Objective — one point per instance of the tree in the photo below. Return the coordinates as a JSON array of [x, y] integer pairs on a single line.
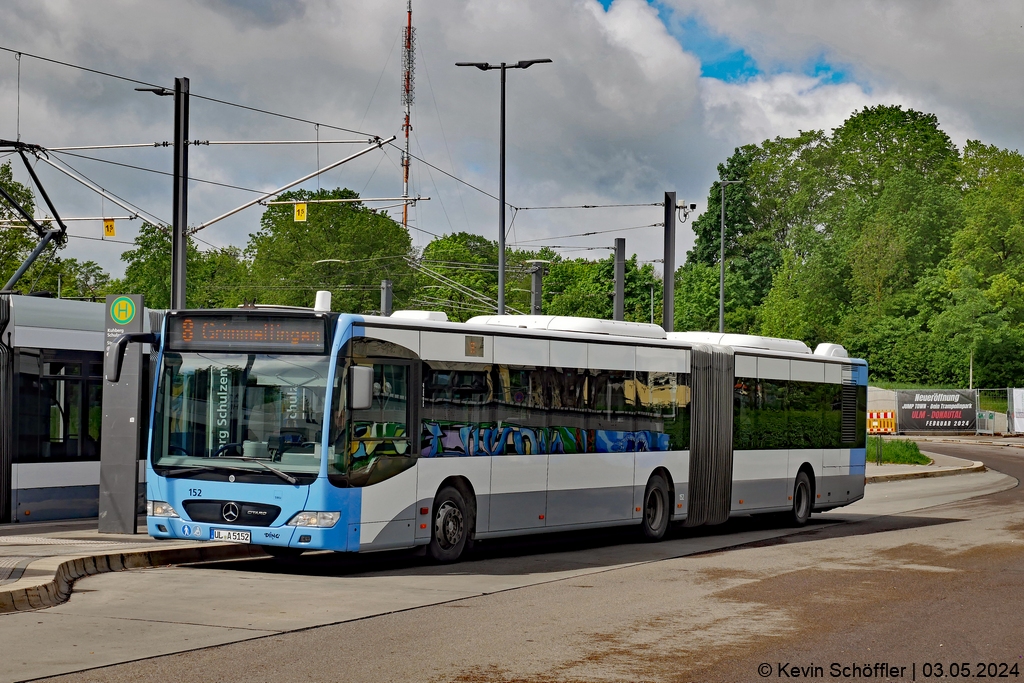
[[460, 276], [578, 287], [69, 278], [15, 242], [369, 247]]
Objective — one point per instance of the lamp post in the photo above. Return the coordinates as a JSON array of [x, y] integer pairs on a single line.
[[179, 218], [721, 259], [484, 66]]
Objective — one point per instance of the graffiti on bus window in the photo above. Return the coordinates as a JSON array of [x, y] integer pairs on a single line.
[[441, 438]]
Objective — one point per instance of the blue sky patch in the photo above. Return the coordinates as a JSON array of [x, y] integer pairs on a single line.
[[722, 59], [719, 57]]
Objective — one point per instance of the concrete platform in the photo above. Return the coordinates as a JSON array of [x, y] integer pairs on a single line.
[[38, 570]]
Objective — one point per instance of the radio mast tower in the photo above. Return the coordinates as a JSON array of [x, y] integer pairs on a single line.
[[408, 81]]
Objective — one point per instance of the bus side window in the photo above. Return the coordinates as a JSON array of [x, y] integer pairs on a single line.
[[379, 445]]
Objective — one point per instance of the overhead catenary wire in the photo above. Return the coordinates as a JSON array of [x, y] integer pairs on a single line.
[[281, 189], [193, 143], [136, 81], [80, 218], [77, 176], [345, 200], [589, 206], [444, 138], [453, 177], [159, 172], [592, 232]]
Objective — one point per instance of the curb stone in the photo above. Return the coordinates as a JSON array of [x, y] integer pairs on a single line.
[[976, 466], [58, 589]]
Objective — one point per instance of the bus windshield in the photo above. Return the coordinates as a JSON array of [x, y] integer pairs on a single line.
[[247, 413]]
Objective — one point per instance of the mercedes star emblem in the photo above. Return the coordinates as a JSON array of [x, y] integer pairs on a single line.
[[229, 512]]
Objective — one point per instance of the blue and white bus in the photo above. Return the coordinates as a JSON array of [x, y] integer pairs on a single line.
[[302, 429]]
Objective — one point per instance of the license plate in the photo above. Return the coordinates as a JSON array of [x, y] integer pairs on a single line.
[[230, 535]]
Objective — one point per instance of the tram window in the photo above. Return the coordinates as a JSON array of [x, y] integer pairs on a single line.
[[58, 409]]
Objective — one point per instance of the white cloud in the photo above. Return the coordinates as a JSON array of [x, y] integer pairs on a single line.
[[766, 106], [620, 116]]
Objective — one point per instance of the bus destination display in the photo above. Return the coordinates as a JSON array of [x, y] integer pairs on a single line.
[[247, 333]]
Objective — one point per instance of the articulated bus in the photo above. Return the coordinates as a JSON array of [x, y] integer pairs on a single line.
[[299, 429]]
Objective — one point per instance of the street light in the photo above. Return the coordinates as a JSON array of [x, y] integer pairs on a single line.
[[179, 217], [721, 259], [484, 66]]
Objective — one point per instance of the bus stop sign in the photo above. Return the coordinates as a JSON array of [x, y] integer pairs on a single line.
[[121, 426]]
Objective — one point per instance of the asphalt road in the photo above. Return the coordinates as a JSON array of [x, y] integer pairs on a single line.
[[913, 587]]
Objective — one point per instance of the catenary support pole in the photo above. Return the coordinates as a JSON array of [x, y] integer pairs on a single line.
[[179, 220], [386, 298], [669, 297], [619, 304], [721, 259], [536, 285], [501, 201]]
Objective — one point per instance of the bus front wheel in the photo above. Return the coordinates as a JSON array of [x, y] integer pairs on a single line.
[[802, 500], [655, 510], [451, 526]]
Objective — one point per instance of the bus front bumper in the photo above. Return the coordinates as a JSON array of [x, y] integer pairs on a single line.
[[341, 536]]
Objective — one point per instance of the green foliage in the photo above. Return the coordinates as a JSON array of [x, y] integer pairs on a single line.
[[470, 261], [149, 272], [880, 236], [15, 243], [587, 288], [66, 277], [697, 297], [282, 255], [896, 451]]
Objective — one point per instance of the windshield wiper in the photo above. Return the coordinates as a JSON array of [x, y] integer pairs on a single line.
[[283, 475], [201, 468]]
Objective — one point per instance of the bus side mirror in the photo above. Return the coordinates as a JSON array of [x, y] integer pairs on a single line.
[[114, 358], [360, 387]]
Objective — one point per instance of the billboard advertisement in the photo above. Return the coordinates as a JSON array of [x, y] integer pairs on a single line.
[[937, 410], [1015, 413]]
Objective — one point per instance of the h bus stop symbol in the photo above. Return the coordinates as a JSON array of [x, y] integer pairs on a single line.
[[122, 310]]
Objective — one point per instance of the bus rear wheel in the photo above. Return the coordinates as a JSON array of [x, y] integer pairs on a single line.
[[655, 510], [451, 526], [802, 500]]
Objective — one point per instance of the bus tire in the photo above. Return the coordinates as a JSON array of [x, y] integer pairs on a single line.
[[451, 525], [803, 500], [655, 509]]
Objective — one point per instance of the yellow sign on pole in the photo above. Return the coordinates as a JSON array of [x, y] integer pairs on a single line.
[[300, 213], [108, 228]]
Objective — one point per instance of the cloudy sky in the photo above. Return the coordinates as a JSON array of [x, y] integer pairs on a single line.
[[642, 97]]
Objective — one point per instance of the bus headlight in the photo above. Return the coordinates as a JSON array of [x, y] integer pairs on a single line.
[[158, 508], [318, 519]]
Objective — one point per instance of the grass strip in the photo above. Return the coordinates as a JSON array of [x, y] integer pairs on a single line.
[[896, 451]]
